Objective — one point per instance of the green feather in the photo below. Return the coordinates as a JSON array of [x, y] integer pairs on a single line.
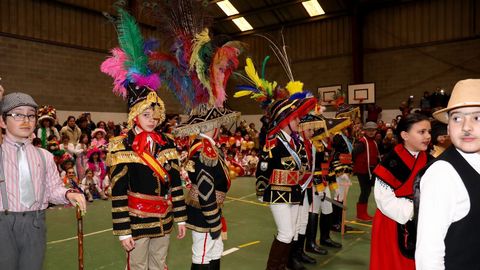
[[131, 41], [264, 65]]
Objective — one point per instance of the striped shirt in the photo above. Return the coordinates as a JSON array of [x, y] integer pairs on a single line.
[[52, 189]]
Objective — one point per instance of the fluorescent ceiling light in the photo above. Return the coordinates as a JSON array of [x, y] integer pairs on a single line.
[[242, 24], [313, 8], [227, 7]]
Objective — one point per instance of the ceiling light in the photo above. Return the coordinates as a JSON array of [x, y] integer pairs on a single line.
[[242, 24], [227, 7], [313, 8]]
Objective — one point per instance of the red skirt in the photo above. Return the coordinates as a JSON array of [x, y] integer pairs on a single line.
[[384, 252]]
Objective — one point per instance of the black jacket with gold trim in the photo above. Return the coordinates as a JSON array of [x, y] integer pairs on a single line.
[[132, 179], [210, 179], [340, 147], [278, 175]]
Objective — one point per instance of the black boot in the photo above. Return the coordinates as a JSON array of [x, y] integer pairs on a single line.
[[294, 262], [336, 219], [279, 254], [325, 240], [215, 264], [301, 255], [200, 266], [311, 245]]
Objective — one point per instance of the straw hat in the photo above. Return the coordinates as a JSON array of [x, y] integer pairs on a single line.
[[466, 93]]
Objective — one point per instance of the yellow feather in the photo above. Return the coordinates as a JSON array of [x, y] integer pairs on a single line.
[[242, 93], [196, 63], [252, 73], [294, 87]]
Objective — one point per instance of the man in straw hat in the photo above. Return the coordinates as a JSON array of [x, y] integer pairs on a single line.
[[449, 214]]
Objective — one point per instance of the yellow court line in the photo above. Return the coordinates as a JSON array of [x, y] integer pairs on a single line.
[[245, 201], [358, 223], [355, 232], [249, 244]]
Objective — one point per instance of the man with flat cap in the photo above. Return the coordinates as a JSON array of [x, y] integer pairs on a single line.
[[29, 180]]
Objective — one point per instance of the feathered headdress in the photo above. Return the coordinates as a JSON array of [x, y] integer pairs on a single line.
[[129, 63], [199, 67], [267, 92], [207, 61], [128, 66]]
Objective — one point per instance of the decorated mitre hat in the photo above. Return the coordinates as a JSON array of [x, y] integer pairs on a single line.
[[284, 111]]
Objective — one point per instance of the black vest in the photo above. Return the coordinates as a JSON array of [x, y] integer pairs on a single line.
[[463, 236]]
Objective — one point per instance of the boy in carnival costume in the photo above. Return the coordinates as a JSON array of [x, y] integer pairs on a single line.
[[147, 194], [197, 73], [282, 161]]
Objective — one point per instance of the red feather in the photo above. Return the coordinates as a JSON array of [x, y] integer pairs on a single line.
[[225, 61]]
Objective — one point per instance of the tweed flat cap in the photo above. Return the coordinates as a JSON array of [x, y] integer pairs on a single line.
[[370, 125], [17, 99]]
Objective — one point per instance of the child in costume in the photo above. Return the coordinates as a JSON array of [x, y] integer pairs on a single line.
[[198, 71], [46, 122], [393, 192], [147, 194], [91, 188]]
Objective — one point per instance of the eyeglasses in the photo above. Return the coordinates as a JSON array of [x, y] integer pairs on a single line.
[[21, 117]]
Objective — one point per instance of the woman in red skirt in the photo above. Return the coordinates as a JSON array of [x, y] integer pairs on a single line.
[[394, 192]]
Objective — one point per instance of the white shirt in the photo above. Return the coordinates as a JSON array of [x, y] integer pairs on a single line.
[[398, 209], [443, 200]]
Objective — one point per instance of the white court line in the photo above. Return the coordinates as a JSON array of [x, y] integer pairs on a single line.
[[73, 238], [228, 251], [241, 198], [106, 230]]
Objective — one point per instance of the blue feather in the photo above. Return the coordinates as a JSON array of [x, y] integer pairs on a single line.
[[151, 45], [247, 87], [299, 95]]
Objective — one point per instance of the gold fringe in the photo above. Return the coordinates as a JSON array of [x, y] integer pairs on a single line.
[[121, 220], [116, 143], [119, 198], [206, 126], [122, 232], [210, 213], [124, 157], [203, 230], [137, 109], [119, 209], [118, 176], [178, 209]]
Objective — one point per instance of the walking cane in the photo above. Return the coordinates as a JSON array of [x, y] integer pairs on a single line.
[[80, 238]]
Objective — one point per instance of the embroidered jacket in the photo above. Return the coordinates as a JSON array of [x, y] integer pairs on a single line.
[[278, 172], [210, 180], [145, 203]]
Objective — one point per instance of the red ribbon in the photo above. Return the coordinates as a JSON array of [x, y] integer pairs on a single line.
[[140, 143]]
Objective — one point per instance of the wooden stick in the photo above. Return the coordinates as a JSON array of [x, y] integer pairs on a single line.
[[344, 210], [80, 238]]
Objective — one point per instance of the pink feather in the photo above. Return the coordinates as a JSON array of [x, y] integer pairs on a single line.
[[114, 67], [151, 81], [224, 63]]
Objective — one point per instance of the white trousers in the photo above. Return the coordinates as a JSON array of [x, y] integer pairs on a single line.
[[342, 181], [205, 249], [285, 216], [302, 220], [321, 207]]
